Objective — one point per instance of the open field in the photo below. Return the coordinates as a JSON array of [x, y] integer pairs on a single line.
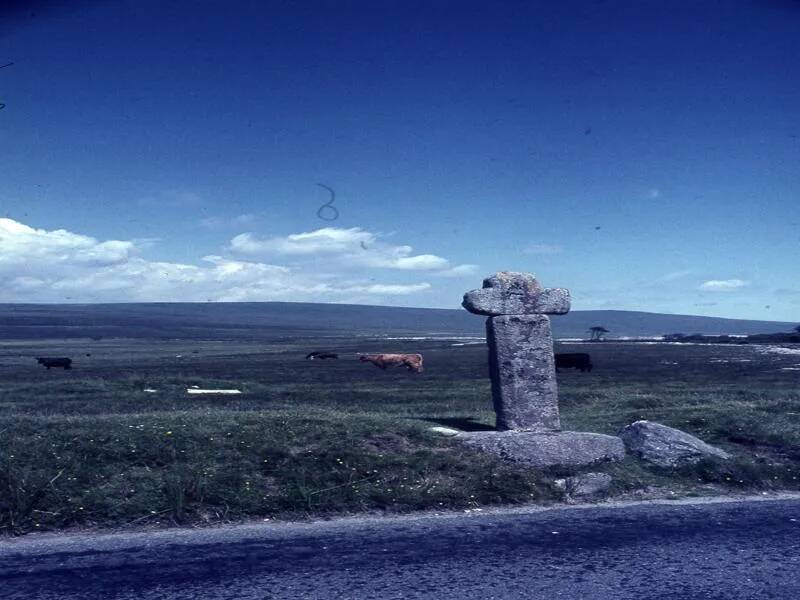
[[89, 447]]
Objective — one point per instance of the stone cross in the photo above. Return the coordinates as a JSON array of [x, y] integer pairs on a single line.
[[521, 360]]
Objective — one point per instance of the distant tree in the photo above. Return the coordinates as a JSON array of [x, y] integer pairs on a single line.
[[597, 332]]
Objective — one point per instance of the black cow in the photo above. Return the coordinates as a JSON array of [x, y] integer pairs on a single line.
[[66, 363], [577, 360], [314, 355]]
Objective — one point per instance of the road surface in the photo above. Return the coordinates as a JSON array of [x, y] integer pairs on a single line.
[[715, 550]]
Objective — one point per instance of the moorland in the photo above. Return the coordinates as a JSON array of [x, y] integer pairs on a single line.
[[117, 442]]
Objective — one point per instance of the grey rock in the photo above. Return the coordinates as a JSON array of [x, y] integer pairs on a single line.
[[547, 449], [522, 370], [665, 446], [523, 283], [585, 484], [497, 301]]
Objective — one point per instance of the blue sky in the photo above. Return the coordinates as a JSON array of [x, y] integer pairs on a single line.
[[642, 154]]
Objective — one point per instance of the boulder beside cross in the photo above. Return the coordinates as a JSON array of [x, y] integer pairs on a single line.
[[521, 359]]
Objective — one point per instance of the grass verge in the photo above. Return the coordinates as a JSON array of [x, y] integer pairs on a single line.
[[180, 468]]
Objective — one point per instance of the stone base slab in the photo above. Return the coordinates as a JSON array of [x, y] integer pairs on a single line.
[[547, 449]]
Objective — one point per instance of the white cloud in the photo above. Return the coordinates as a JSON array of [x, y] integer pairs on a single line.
[[675, 275], [328, 240], [20, 244], [38, 265], [459, 271], [398, 259], [542, 249], [352, 247], [390, 290], [243, 220], [727, 285]]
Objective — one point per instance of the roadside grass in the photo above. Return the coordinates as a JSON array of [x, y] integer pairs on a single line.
[[90, 448], [729, 418], [216, 466], [761, 430]]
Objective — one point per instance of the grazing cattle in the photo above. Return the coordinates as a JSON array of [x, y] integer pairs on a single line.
[[413, 362], [321, 355], [577, 360], [66, 363]]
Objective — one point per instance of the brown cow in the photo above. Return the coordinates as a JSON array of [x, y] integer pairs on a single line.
[[413, 362]]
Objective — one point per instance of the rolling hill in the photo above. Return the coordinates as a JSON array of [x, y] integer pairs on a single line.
[[271, 320]]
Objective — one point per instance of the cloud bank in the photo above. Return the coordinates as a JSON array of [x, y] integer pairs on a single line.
[[726, 285], [347, 249], [326, 265]]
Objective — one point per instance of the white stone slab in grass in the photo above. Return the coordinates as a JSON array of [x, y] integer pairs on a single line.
[[444, 431]]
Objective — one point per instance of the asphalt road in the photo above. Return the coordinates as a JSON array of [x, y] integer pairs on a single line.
[[744, 549]]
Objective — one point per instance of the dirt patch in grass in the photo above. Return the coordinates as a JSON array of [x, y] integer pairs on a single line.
[[387, 443]]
